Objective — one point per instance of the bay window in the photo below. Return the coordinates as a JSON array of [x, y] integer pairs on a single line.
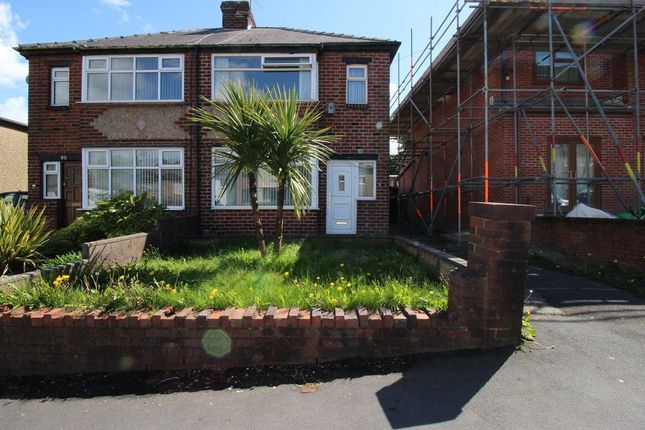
[[133, 78], [157, 172], [266, 72], [237, 196]]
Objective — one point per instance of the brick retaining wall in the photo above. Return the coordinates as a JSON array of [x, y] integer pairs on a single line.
[[615, 243], [484, 311]]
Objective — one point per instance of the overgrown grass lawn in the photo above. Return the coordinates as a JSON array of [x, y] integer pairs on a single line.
[[311, 273]]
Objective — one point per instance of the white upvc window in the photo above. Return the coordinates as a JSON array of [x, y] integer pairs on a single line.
[[267, 71], [357, 84], [157, 172], [51, 180], [367, 180], [60, 86], [237, 196], [133, 78]]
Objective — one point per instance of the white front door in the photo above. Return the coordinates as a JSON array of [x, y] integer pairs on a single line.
[[341, 201]]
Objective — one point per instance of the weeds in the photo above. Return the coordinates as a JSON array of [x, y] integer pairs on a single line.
[[312, 273]]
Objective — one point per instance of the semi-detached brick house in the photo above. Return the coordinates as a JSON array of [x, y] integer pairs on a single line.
[[525, 157], [111, 114]]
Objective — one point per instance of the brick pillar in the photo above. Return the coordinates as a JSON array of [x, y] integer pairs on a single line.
[[488, 297]]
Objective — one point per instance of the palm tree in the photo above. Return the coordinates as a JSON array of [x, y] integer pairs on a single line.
[[293, 143], [236, 118]]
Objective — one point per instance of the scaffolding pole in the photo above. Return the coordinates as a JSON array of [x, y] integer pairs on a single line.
[[556, 101]]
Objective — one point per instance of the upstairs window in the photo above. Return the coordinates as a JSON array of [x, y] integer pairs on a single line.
[[266, 72], [563, 60], [357, 85], [133, 78], [60, 86]]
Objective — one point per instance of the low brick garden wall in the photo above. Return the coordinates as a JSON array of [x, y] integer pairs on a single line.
[[615, 243], [484, 311]]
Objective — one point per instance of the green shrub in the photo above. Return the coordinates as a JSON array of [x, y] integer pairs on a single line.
[[70, 238], [61, 258], [22, 236], [124, 213]]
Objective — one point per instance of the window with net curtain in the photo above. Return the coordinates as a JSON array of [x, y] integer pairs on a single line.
[[264, 73], [238, 194], [136, 78], [357, 84], [157, 172]]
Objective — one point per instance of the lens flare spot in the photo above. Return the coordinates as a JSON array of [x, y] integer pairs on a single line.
[[216, 343], [126, 362], [581, 33]]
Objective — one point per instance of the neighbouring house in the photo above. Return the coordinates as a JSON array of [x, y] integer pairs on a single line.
[[13, 155], [111, 114], [506, 136]]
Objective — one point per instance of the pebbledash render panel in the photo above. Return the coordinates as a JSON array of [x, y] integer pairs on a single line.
[[113, 114]]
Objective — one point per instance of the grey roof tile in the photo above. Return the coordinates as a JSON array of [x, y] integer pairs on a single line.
[[213, 37]]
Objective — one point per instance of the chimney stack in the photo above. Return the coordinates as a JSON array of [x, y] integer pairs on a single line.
[[237, 15]]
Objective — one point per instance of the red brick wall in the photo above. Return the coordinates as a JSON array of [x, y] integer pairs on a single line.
[[57, 131], [484, 311], [613, 243], [601, 71]]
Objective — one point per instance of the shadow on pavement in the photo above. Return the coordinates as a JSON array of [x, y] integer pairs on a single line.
[[437, 389], [144, 383], [580, 297]]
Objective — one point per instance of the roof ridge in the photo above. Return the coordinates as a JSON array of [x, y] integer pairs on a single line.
[[328, 33]]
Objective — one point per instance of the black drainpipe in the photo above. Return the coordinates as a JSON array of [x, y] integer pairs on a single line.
[[198, 140]]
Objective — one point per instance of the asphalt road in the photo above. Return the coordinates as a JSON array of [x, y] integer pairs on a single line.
[[586, 372]]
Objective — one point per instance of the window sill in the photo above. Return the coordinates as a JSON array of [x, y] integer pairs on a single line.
[[59, 108], [173, 209], [248, 208], [356, 106], [133, 102]]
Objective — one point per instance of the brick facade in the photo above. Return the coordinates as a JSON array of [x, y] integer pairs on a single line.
[[606, 71], [484, 311], [59, 133]]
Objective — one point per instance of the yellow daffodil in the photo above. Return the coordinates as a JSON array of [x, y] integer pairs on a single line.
[[286, 274], [339, 289]]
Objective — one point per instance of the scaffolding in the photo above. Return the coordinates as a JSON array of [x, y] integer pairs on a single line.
[[500, 31]]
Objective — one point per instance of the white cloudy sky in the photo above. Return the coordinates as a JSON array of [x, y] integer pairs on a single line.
[[13, 68]]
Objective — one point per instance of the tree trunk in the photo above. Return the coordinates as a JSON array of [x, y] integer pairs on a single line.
[[259, 232], [279, 218]]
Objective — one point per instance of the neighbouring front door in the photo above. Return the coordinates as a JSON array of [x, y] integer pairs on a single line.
[[72, 189], [341, 201]]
